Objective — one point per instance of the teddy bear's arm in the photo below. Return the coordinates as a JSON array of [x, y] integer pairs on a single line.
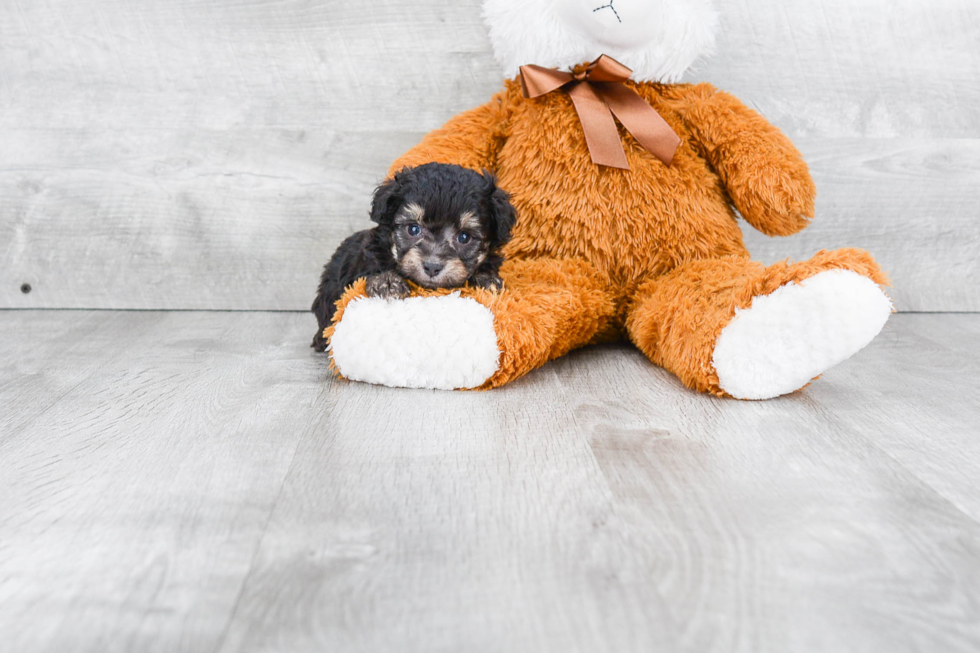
[[470, 139], [764, 173]]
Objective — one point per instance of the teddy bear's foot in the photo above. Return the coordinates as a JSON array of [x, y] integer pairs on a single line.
[[800, 330], [473, 337], [446, 342], [736, 328]]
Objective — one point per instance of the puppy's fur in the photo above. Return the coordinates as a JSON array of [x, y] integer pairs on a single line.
[[438, 225]]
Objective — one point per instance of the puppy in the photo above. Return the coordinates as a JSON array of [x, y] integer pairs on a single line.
[[438, 225]]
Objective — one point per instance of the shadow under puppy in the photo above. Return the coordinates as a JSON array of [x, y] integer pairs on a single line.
[[439, 226]]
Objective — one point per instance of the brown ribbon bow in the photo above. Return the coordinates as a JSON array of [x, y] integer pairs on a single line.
[[598, 93]]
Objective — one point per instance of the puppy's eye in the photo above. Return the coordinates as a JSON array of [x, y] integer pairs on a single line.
[[414, 229], [463, 238]]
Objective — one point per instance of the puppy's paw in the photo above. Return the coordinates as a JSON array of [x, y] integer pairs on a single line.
[[387, 285], [488, 280], [319, 343]]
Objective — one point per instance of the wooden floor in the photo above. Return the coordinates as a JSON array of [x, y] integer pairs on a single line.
[[196, 482]]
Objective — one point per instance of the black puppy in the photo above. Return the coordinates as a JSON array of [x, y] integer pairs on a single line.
[[439, 225]]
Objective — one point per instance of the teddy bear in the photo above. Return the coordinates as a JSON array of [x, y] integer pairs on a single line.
[[628, 187]]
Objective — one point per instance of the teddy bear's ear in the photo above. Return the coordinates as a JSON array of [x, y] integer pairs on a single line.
[[503, 215], [387, 199]]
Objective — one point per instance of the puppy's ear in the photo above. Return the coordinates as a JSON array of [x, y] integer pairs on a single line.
[[387, 199], [503, 216]]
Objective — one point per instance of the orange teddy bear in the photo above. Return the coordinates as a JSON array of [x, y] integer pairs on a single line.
[[650, 250]]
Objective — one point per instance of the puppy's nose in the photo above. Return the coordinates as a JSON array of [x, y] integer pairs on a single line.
[[432, 268]]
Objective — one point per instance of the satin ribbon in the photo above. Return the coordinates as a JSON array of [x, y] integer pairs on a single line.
[[598, 93]]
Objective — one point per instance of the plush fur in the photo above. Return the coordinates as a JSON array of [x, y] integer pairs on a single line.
[[789, 336], [438, 226], [658, 40], [653, 254], [423, 350]]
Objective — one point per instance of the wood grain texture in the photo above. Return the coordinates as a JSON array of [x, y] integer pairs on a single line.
[[133, 501], [915, 204], [189, 154], [195, 482]]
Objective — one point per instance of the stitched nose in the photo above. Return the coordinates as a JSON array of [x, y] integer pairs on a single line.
[[432, 268]]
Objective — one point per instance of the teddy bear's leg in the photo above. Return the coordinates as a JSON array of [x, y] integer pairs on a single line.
[[734, 327], [473, 338]]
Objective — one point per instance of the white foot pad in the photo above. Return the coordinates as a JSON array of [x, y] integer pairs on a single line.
[[445, 342], [794, 334]]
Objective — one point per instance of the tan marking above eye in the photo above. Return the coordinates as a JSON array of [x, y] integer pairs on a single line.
[[410, 213], [469, 221]]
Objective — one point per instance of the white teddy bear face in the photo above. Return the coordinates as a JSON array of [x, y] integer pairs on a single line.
[[617, 24], [657, 39]]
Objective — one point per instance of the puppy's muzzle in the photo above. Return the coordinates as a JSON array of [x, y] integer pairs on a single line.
[[433, 267]]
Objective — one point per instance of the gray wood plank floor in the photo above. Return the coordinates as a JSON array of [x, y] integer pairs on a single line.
[[196, 482]]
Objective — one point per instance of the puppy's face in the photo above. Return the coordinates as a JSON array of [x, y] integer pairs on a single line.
[[441, 250], [444, 222]]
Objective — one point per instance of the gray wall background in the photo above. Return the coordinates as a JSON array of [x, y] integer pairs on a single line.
[[210, 154]]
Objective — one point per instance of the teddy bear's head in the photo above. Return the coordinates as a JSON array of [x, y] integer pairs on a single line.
[[657, 39]]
